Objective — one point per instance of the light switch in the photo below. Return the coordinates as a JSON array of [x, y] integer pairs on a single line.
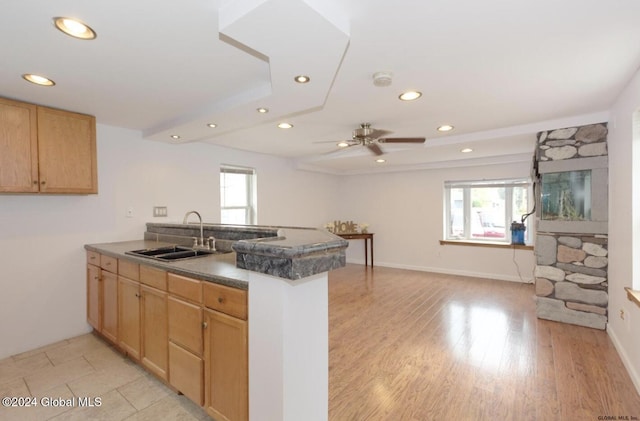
[[159, 211]]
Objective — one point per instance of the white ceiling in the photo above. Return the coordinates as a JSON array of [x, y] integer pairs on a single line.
[[499, 71]]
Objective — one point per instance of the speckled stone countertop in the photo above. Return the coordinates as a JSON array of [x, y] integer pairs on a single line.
[[218, 268], [285, 252]]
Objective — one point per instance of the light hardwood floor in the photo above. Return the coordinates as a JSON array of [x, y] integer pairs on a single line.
[[416, 346], [404, 346]]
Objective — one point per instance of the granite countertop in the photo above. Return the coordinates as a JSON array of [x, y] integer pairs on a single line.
[[217, 268], [285, 252]]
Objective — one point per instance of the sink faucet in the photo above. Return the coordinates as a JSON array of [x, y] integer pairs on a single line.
[[184, 221]]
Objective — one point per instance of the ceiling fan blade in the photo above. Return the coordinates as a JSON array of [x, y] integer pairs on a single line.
[[375, 133], [373, 147], [402, 140]]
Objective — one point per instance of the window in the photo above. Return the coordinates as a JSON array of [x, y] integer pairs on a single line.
[[238, 195], [484, 210]]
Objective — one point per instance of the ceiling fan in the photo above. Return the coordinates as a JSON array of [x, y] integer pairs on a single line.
[[367, 136]]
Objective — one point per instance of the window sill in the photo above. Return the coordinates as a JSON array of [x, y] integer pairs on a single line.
[[633, 295], [485, 244]]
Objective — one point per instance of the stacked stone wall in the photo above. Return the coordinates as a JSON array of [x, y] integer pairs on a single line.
[[571, 279], [571, 269]]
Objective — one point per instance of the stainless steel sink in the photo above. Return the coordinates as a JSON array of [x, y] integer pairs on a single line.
[[173, 253]]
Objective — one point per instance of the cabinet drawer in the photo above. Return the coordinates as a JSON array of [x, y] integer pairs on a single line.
[[184, 287], [109, 263], [185, 324], [231, 301], [153, 277], [129, 269], [186, 373], [93, 258]]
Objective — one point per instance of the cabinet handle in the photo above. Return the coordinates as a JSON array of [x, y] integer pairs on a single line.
[[97, 278], [205, 325], [220, 300], [43, 182], [35, 182], [137, 295]]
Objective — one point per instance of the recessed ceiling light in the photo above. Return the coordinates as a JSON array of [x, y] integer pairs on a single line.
[[74, 28], [466, 150], [38, 80], [381, 161], [262, 110], [285, 125], [445, 128], [302, 79], [410, 95], [343, 144], [212, 125], [175, 136]]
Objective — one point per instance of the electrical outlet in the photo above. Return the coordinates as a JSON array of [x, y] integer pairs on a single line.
[[159, 211], [129, 212]]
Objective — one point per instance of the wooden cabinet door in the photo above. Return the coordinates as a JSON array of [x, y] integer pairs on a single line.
[[185, 325], [129, 316], [155, 337], [94, 305], [110, 306], [18, 147], [226, 367], [67, 152]]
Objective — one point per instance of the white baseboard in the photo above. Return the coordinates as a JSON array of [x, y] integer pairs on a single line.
[[445, 271], [635, 378]]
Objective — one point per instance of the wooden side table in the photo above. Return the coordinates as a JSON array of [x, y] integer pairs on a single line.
[[368, 239]]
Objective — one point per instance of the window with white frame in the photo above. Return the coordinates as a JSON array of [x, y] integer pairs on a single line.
[[238, 195], [484, 210]]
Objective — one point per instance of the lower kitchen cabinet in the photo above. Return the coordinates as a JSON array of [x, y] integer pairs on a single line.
[[110, 306], [129, 316], [155, 338], [226, 367], [102, 295], [192, 334], [94, 307]]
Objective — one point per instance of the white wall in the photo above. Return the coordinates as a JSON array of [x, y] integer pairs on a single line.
[[405, 211], [624, 227], [42, 263]]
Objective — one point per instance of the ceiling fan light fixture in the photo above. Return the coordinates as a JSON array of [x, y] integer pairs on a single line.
[[445, 128], [343, 144], [38, 80], [410, 95], [302, 79], [285, 125], [382, 79], [74, 28]]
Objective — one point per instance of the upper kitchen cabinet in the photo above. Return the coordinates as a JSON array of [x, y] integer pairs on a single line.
[[18, 147], [46, 150]]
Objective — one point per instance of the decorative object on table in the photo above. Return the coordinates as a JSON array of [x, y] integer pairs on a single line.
[[343, 227], [364, 227]]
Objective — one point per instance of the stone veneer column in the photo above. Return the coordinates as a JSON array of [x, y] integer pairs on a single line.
[[571, 269]]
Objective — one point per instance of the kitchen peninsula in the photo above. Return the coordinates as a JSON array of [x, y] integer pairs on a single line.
[[265, 293]]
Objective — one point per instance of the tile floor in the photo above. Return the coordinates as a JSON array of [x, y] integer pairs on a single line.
[[88, 367]]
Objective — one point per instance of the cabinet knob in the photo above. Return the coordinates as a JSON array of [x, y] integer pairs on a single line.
[[35, 182], [43, 182], [220, 300], [205, 325], [137, 295], [97, 278]]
